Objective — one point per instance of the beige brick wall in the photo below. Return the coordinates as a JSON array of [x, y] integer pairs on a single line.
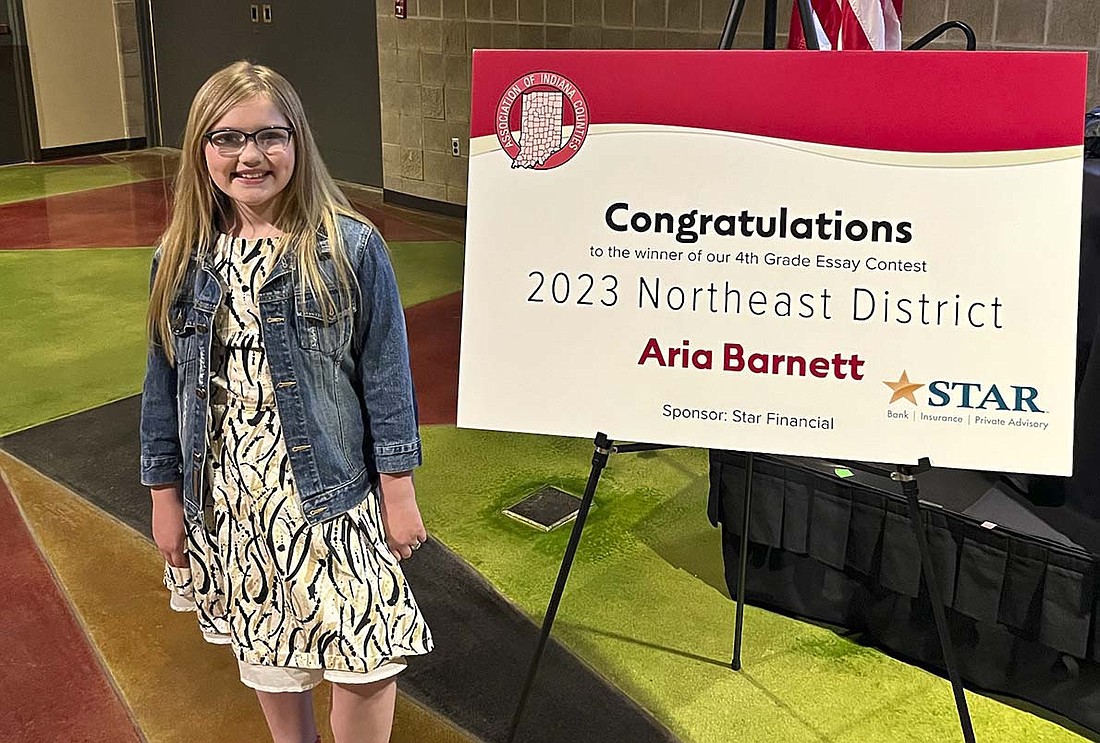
[[424, 60]]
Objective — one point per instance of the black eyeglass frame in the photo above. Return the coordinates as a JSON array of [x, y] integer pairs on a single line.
[[249, 135]]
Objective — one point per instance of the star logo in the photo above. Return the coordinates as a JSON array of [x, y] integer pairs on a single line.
[[903, 389]]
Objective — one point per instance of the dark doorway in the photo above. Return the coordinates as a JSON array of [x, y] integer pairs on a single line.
[[15, 144], [328, 51]]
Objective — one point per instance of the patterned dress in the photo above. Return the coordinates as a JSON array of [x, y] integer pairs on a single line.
[[281, 592]]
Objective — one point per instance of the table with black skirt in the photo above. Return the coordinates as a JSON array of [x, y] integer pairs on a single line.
[[1021, 597]]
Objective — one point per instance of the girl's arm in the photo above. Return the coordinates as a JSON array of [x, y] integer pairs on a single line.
[[160, 450], [386, 386], [400, 514], [382, 360], [160, 445], [168, 524]]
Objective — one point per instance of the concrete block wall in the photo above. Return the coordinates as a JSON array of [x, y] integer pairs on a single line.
[[424, 60]]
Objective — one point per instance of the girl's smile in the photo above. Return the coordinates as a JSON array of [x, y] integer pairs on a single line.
[[251, 176]]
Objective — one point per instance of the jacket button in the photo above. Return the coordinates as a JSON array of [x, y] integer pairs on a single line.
[[198, 456], [200, 393]]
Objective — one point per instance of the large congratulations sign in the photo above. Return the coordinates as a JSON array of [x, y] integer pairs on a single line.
[[867, 256]]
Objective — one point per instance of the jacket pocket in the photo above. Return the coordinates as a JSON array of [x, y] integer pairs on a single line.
[[186, 322], [321, 328]]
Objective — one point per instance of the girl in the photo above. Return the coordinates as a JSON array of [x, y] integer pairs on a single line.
[[278, 426]]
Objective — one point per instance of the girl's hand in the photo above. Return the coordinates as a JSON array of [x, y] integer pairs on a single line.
[[168, 526], [401, 516]]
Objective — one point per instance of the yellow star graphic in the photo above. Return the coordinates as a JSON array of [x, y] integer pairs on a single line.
[[903, 388]]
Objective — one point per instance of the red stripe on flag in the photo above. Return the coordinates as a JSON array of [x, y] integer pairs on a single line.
[[795, 38], [852, 24], [852, 34]]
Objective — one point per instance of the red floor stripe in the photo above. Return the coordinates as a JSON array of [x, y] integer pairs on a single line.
[[397, 229], [130, 215], [434, 333], [52, 685]]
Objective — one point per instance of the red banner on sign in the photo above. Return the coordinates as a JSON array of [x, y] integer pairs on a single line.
[[920, 102]]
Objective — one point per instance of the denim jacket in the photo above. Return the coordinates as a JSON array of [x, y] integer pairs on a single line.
[[343, 387]]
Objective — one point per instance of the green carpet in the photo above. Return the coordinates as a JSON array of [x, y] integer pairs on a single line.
[[21, 182], [426, 270], [645, 605], [71, 330], [72, 322]]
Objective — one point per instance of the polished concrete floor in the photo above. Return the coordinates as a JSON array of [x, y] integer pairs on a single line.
[[96, 655], [93, 653]]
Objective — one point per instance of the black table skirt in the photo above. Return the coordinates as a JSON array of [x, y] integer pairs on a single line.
[[1024, 612]]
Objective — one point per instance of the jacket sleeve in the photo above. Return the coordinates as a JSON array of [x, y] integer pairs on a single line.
[[383, 361], [160, 445]]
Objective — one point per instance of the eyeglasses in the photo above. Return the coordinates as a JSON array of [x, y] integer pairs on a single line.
[[270, 140]]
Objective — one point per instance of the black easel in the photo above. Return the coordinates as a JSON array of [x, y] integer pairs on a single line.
[[903, 474], [603, 449], [906, 475], [771, 14]]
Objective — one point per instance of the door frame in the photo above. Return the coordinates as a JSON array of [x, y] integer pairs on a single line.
[[24, 83], [154, 135]]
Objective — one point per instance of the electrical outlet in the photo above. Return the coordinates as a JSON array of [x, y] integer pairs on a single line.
[[267, 13], [255, 13], [454, 147]]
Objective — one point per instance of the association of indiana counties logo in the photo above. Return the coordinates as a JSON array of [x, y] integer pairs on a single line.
[[542, 120]]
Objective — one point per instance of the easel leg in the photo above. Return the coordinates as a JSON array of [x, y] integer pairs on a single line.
[[743, 562], [771, 19], [809, 32], [908, 481], [599, 461], [733, 20]]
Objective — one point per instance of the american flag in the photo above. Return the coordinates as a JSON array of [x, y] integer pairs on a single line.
[[851, 24]]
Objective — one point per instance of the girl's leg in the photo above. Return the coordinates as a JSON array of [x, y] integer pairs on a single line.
[[289, 716], [363, 713]]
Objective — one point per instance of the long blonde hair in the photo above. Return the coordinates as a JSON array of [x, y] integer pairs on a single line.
[[307, 208]]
